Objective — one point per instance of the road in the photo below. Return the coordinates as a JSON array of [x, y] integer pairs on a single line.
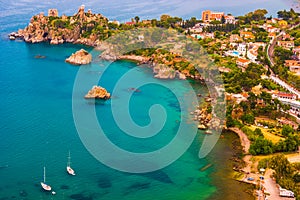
[[272, 188], [294, 159], [270, 48], [285, 85]]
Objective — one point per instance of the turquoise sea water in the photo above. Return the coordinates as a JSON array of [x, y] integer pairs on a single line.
[[37, 126], [37, 129]]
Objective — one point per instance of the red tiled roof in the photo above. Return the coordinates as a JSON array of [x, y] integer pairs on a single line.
[[129, 23], [241, 60], [281, 94]]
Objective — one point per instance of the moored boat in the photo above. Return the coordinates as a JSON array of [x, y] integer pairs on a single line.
[[43, 184], [69, 169]]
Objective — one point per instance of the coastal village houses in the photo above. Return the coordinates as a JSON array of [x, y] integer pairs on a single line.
[[243, 62], [296, 52], [286, 44], [247, 35], [293, 65]]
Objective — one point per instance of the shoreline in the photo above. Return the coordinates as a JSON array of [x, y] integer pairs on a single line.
[[135, 58], [225, 156], [245, 142]]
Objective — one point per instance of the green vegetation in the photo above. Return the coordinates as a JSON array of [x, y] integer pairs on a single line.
[[262, 146], [286, 173], [236, 80], [217, 26], [253, 17], [287, 15]]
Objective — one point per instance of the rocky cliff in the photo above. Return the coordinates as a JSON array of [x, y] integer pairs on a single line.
[[80, 57], [83, 28]]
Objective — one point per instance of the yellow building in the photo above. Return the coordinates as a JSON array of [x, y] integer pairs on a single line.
[[208, 15], [282, 23]]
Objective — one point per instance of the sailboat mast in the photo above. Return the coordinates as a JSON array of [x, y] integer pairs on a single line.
[[44, 174], [69, 159]]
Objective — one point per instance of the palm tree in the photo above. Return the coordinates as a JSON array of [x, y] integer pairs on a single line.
[[137, 19]]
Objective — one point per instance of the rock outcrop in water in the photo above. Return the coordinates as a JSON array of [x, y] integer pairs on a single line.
[[97, 92], [81, 57]]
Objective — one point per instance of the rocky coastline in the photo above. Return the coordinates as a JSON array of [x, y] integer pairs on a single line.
[[203, 117], [139, 59], [85, 28], [63, 29]]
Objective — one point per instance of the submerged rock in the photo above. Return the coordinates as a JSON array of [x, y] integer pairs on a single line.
[[80, 197], [97, 92], [23, 193], [81, 57], [104, 182], [64, 187]]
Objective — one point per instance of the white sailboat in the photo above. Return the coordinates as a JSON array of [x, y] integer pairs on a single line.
[[69, 169], [43, 184]]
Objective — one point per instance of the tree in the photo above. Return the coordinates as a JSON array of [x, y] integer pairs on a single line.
[[229, 121], [286, 15], [137, 19], [164, 17], [282, 54], [261, 146], [258, 132], [292, 143], [287, 130], [259, 14], [281, 166], [112, 26], [154, 22], [248, 118], [223, 19]]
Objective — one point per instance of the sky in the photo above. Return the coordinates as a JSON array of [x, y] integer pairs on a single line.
[[123, 10]]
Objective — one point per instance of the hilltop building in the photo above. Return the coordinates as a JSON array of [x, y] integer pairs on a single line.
[[52, 13], [208, 16]]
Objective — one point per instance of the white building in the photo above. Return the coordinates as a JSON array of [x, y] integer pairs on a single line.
[[242, 49], [285, 193]]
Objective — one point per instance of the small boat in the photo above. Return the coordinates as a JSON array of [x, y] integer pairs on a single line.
[[206, 167], [69, 169], [43, 184], [250, 179], [208, 132]]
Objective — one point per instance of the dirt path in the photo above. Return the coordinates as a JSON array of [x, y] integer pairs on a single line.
[[245, 142], [294, 159]]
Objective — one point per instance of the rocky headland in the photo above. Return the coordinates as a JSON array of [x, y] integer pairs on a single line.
[[97, 92], [80, 57], [81, 28]]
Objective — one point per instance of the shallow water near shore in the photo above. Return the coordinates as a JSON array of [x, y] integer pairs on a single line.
[[228, 149]]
